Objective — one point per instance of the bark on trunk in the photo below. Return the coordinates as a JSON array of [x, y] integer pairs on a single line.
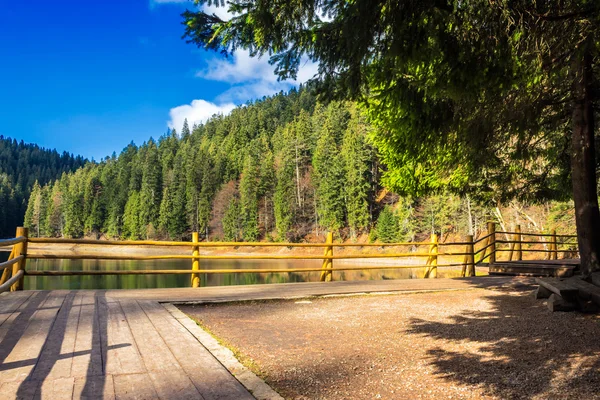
[[583, 167]]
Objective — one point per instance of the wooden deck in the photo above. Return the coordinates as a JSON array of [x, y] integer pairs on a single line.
[[124, 344], [540, 268]]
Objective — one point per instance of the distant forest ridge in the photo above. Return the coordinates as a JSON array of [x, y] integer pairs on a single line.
[[284, 168], [21, 165]]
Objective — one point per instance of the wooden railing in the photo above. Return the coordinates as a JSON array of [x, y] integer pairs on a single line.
[[485, 248]]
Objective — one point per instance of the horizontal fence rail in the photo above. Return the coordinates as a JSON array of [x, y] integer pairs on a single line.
[[484, 249]]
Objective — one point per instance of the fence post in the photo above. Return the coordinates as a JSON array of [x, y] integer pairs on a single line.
[[491, 228], [431, 271], [326, 275], [20, 249], [195, 261], [6, 272], [519, 239], [554, 246], [470, 256]]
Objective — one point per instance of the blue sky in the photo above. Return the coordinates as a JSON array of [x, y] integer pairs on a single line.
[[89, 77]]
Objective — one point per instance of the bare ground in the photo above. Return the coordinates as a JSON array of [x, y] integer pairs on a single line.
[[459, 344]]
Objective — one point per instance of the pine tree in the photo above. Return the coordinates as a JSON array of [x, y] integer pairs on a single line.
[[133, 227], [387, 227], [150, 193], [185, 130], [249, 185], [54, 217], [231, 221], [32, 215], [357, 156], [329, 174], [74, 217]]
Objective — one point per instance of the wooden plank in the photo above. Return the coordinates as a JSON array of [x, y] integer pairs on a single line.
[[134, 387], [542, 293], [167, 375], [32, 339], [11, 322], [11, 303], [586, 290], [22, 390], [530, 270], [308, 289], [56, 389], [596, 278], [209, 376], [561, 288], [57, 356], [95, 388], [557, 303], [122, 355], [87, 354]]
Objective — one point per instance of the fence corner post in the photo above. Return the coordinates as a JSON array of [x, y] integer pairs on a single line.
[[431, 271], [195, 261], [470, 257], [519, 239], [326, 273], [491, 228], [20, 249]]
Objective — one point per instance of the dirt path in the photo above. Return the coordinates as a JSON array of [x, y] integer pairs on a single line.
[[460, 344]]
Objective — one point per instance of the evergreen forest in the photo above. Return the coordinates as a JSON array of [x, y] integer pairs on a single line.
[[21, 165], [284, 168]]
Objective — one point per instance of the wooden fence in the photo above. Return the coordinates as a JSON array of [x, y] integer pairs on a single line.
[[486, 248]]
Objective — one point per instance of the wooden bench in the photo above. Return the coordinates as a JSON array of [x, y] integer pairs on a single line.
[[569, 294]]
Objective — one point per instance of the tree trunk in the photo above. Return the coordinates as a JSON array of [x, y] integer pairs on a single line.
[[469, 216], [583, 166], [298, 182]]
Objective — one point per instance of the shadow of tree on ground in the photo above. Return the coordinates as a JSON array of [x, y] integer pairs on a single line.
[[514, 347]]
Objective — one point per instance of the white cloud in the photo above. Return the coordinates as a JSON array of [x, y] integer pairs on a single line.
[[196, 112], [251, 77], [220, 12], [248, 77]]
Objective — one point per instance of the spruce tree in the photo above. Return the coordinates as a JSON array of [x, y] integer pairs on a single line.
[[387, 227], [249, 185], [231, 221], [329, 175], [358, 157], [150, 193]]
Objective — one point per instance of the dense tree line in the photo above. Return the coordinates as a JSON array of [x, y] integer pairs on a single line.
[[280, 168], [21, 165], [283, 168]]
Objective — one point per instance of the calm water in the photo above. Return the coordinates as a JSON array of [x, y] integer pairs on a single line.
[[167, 281]]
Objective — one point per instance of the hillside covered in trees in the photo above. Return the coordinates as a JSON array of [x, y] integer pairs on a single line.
[[284, 168], [21, 165]]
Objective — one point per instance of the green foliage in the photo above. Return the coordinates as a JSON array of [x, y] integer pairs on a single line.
[[232, 222], [387, 229], [21, 165], [329, 171], [132, 224], [465, 97], [358, 159], [285, 168], [249, 186]]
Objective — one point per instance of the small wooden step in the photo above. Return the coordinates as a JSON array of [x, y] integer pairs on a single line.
[[560, 287], [532, 269], [570, 293]]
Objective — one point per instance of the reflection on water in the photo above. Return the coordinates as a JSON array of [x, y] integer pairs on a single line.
[[169, 281]]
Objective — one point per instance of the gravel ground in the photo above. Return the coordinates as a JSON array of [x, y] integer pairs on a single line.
[[458, 344]]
